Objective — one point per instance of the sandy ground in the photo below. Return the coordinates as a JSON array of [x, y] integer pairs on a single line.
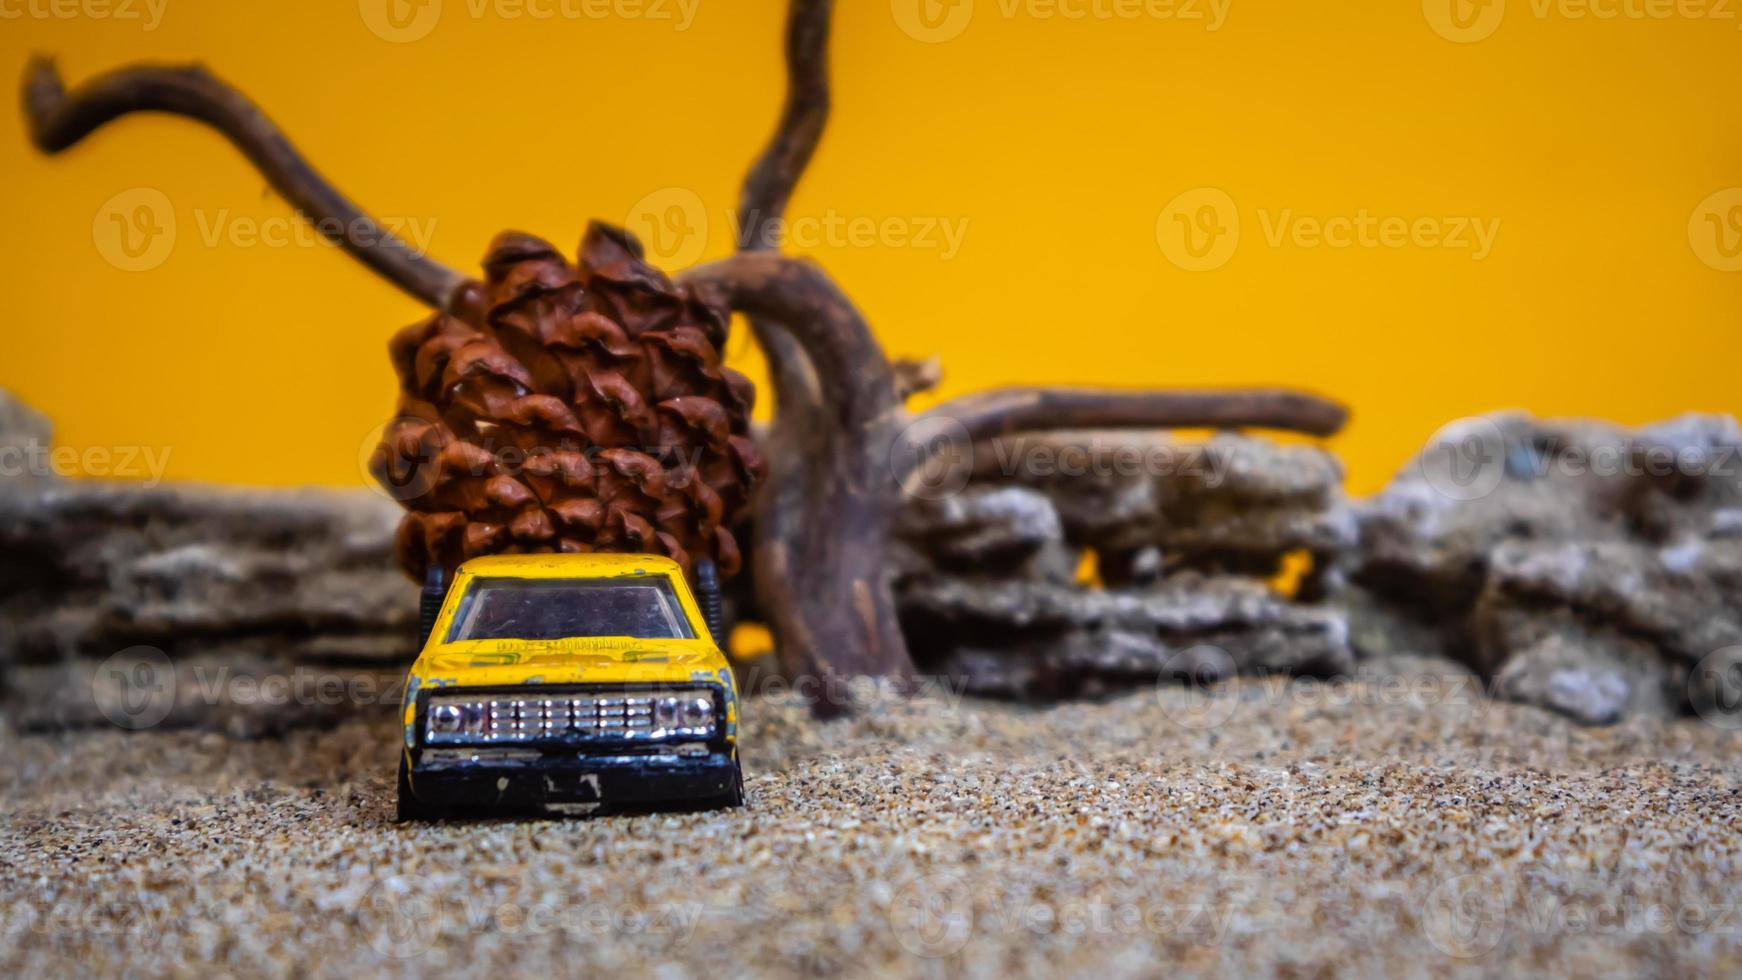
[[1275, 829]]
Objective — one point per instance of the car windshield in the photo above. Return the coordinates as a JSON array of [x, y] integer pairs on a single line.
[[645, 608]]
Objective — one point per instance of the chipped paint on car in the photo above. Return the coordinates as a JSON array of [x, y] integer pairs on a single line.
[[576, 660], [408, 711]]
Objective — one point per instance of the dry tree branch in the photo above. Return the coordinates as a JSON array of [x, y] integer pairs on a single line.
[[1007, 411], [839, 450], [824, 516], [59, 119], [772, 178], [822, 522], [769, 185]]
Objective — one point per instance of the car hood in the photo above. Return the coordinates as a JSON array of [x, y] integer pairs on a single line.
[[595, 661]]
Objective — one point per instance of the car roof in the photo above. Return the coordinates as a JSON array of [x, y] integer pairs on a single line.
[[590, 565]]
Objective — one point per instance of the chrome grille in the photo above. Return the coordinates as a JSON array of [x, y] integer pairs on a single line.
[[456, 719]]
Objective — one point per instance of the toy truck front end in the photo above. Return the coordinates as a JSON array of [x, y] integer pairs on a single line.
[[564, 683]]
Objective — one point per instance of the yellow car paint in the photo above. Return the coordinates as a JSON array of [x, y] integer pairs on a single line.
[[575, 660]]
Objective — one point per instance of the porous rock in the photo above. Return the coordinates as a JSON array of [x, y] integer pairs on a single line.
[[1582, 565], [264, 583], [1007, 531], [1150, 502], [1037, 639], [24, 433]]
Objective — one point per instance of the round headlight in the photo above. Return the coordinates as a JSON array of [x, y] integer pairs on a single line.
[[445, 718], [696, 712], [665, 713]]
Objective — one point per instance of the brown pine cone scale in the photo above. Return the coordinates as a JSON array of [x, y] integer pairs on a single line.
[[569, 408]]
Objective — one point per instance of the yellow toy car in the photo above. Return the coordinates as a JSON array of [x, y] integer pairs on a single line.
[[565, 683]]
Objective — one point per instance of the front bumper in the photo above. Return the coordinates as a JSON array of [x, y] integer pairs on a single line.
[[573, 779]]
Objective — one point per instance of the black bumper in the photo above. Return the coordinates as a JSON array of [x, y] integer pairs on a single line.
[[609, 781]]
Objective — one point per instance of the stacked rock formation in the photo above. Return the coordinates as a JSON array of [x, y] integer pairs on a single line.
[[1585, 567], [195, 593], [1183, 536]]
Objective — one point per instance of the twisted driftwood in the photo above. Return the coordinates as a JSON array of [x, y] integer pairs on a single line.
[[841, 447]]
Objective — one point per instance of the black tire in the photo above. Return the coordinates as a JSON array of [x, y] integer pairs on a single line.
[[735, 797], [410, 807]]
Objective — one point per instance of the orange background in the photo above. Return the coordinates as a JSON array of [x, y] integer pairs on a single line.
[[1053, 144]]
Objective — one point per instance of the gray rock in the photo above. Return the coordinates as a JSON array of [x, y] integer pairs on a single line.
[[90, 565], [1580, 564], [1234, 503], [1031, 639], [1185, 534], [247, 691], [24, 435], [264, 581], [1381, 630], [1008, 531], [1685, 599]]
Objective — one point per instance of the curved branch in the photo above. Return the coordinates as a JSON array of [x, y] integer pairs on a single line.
[[59, 119], [804, 301], [1005, 411], [769, 185], [824, 518]]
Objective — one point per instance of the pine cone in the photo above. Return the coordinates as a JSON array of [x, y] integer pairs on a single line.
[[569, 409]]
